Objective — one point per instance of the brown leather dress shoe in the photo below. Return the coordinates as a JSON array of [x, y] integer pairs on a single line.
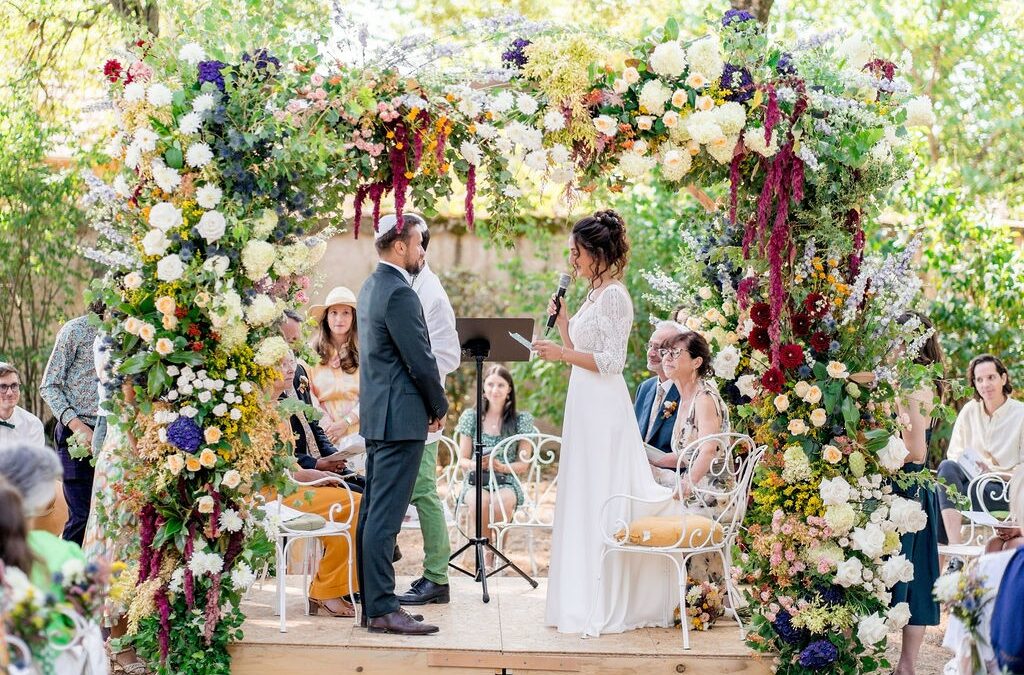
[[364, 621], [400, 623]]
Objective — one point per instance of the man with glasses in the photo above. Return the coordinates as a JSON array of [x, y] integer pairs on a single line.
[[657, 399], [17, 425]]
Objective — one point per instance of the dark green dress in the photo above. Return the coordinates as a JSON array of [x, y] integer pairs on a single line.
[[467, 427], [921, 548]]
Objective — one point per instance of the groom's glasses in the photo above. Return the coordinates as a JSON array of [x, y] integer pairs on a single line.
[[666, 353]]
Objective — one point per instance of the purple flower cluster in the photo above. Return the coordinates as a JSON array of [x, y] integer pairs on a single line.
[[832, 595], [739, 82], [789, 633], [185, 434], [736, 16], [515, 55], [262, 58], [209, 71], [819, 655], [785, 65]]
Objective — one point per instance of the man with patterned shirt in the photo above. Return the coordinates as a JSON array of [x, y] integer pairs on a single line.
[[70, 390]]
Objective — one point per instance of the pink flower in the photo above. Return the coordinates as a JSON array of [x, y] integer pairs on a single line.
[[790, 555], [301, 297], [319, 95], [280, 115], [293, 106], [139, 71], [303, 282], [316, 80]]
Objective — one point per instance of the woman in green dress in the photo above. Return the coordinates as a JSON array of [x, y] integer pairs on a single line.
[[503, 494], [921, 548]]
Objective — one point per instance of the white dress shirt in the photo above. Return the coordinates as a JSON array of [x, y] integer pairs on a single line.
[[27, 429], [666, 389], [101, 357], [440, 317], [405, 272], [998, 439]]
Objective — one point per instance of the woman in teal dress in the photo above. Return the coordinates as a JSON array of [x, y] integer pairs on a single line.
[[921, 548], [504, 494]]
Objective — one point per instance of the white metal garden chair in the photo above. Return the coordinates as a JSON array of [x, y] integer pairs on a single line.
[[982, 522], [711, 523], [288, 536]]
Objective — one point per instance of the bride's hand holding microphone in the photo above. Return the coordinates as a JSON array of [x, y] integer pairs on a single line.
[[546, 349]]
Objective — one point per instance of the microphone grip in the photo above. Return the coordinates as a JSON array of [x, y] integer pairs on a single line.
[[558, 307]]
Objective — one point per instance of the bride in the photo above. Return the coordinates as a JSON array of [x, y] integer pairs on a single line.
[[602, 453]]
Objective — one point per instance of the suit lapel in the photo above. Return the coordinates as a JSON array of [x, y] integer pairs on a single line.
[[659, 417], [647, 400]]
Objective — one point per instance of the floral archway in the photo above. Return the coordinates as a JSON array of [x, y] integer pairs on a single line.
[[212, 224]]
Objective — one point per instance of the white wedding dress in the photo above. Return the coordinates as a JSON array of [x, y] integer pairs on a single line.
[[602, 455]]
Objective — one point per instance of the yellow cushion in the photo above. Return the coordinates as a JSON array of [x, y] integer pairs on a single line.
[[656, 531]]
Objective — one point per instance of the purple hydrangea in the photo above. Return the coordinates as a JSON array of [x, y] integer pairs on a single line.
[[785, 65], [739, 82], [789, 633], [262, 59], [209, 71], [832, 595], [185, 434], [819, 655], [736, 16], [515, 55]]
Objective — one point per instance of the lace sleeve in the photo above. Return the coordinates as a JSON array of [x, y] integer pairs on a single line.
[[614, 322]]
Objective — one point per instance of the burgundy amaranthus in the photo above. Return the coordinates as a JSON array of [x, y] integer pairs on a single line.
[[212, 608], [163, 606], [399, 182], [147, 533], [470, 193], [190, 582], [376, 192], [360, 197]]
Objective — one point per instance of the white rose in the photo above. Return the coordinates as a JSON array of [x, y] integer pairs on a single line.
[[800, 388], [849, 572], [870, 540], [797, 427], [704, 103], [680, 97], [170, 268], [747, 384], [644, 122], [813, 394], [896, 569], [871, 629], [753, 139], [133, 280], [165, 216], [653, 96], [855, 50], [919, 112], [819, 417], [220, 410], [670, 119], [631, 75], [726, 362], [211, 226], [205, 504], [834, 492], [159, 95], [907, 515], [831, 454], [208, 196], [837, 370], [893, 454], [947, 587], [217, 264], [696, 81], [781, 403], [898, 616], [198, 155], [155, 243], [606, 125], [668, 59], [619, 85], [192, 53]]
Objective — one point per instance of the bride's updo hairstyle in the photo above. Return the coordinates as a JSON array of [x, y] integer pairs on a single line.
[[603, 236]]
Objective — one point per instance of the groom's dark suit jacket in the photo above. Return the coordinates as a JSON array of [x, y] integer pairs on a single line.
[[661, 438], [400, 390]]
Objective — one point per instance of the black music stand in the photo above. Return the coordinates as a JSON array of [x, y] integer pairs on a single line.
[[488, 340]]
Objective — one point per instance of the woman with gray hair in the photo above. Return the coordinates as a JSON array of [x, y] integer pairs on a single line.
[[34, 470]]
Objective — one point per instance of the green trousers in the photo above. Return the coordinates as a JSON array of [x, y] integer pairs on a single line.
[[436, 547]]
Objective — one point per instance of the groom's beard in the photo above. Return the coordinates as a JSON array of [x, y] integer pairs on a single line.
[[415, 267]]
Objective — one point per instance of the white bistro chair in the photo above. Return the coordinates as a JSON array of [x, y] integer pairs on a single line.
[[995, 485], [711, 523]]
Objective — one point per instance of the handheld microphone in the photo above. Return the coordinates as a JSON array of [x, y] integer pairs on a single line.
[[563, 285]]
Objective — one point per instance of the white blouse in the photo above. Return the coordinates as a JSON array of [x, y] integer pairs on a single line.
[[998, 439]]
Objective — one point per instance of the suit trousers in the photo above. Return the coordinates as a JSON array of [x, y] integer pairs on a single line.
[[78, 477], [391, 471]]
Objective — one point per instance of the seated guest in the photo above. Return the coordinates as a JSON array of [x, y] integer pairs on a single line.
[[17, 425], [330, 590], [335, 379], [657, 399], [33, 470], [988, 436], [992, 569], [500, 421]]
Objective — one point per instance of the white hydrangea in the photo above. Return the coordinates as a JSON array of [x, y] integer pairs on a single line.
[[731, 116], [841, 518], [653, 96], [165, 216], [159, 95], [703, 127], [270, 351], [262, 311], [668, 59], [705, 58], [192, 53], [753, 139], [257, 258], [634, 165], [226, 309], [208, 196], [198, 155], [919, 112], [722, 148], [675, 163], [265, 224]]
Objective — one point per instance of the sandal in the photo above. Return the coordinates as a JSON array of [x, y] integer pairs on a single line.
[[348, 610]]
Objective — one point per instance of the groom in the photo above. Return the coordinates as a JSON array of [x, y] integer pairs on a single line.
[[401, 399], [657, 399]]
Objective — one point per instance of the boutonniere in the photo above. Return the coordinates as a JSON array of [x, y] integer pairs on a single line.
[[669, 409], [303, 384]]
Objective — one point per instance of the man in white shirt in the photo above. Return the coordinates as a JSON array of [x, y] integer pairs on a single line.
[[17, 425], [988, 436], [432, 587]]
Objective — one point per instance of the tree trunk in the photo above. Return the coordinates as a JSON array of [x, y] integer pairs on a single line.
[[143, 13], [759, 8]]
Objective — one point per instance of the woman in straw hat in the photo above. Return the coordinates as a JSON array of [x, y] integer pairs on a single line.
[[335, 379]]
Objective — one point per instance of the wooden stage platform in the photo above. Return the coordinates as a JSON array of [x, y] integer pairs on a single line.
[[506, 635]]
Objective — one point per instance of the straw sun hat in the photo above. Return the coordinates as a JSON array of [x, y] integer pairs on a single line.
[[339, 295]]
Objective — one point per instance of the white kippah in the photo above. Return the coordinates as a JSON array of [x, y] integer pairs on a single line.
[[388, 223]]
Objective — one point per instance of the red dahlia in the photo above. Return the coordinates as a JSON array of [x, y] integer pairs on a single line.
[[820, 342], [772, 380], [112, 70], [801, 324], [761, 314], [816, 305], [759, 339], [791, 355]]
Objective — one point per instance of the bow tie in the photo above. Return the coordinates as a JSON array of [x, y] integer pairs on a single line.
[[5, 423]]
